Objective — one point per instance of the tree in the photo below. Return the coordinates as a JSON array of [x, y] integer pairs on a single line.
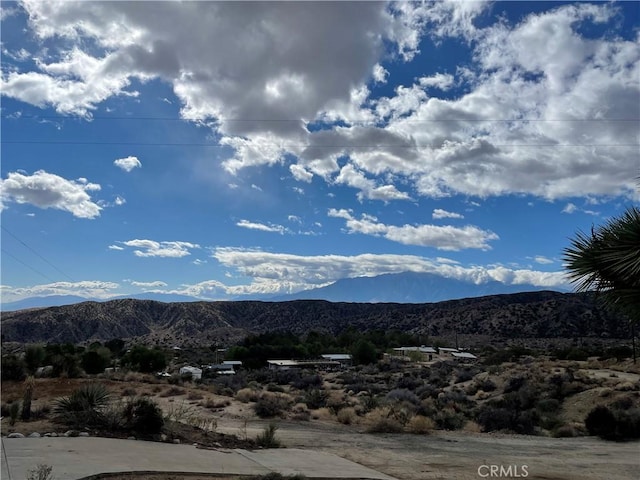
[[608, 261], [95, 361], [364, 352]]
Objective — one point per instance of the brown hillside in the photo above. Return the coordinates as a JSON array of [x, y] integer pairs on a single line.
[[521, 315]]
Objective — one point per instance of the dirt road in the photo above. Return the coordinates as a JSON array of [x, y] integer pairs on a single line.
[[462, 455]]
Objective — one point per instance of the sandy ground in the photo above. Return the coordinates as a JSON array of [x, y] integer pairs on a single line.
[[459, 455]]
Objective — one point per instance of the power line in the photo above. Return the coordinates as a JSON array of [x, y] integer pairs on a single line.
[[303, 145], [36, 253], [298, 120], [26, 265]]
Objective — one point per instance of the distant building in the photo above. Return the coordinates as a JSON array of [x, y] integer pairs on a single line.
[[223, 368], [426, 352], [444, 350], [289, 364], [463, 356], [196, 373], [344, 359]]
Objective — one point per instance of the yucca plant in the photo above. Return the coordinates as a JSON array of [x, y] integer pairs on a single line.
[[608, 261], [83, 407]]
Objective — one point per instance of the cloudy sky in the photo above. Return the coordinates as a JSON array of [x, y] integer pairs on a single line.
[[226, 149]]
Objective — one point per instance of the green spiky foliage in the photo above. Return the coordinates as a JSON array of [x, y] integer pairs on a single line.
[[608, 261], [83, 407]]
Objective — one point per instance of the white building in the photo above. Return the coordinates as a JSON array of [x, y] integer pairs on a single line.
[[196, 373]]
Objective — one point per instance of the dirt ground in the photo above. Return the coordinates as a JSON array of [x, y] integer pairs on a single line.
[[439, 455]]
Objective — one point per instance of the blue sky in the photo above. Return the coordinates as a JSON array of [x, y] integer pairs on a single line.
[[229, 150]]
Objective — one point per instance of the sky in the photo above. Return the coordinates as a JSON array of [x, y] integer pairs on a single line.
[[236, 149]]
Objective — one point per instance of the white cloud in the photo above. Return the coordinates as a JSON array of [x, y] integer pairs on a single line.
[[46, 190], [119, 200], [151, 248], [88, 289], [441, 237], [128, 163], [542, 260], [283, 273], [569, 208], [155, 284], [115, 247], [540, 98], [300, 173], [439, 80], [261, 226], [438, 213], [379, 73]]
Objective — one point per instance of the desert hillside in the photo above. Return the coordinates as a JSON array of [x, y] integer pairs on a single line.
[[521, 315]]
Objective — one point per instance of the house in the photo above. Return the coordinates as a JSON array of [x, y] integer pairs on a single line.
[[289, 364], [426, 352], [223, 368], [446, 351], [233, 363], [465, 356], [344, 359], [196, 373]]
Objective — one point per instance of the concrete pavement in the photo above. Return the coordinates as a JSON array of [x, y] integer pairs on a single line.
[[76, 458]]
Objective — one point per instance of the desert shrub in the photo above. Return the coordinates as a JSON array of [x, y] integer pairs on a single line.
[[34, 355], [486, 385], [403, 395], [463, 375], [420, 424], [565, 431], [270, 405], [316, 398], [347, 416], [364, 352], [40, 412], [613, 424], [173, 391], [273, 387], [449, 419], [514, 384], [195, 396], [145, 359], [369, 402], [308, 381], [247, 395], [409, 382], [14, 411], [494, 418], [380, 422], [41, 472], [13, 368], [129, 392], [83, 407], [95, 361], [267, 438], [427, 391], [143, 416], [548, 405]]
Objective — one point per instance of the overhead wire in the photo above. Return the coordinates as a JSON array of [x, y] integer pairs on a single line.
[[36, 253]]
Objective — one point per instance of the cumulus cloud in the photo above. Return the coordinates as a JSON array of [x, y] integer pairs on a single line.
[[283, 273], [262, 227], [88, 289], [539, 97], [155, 284], [47, 190], [151, 248], [438, 213], [441, 237], [542, 260], [128, 163]]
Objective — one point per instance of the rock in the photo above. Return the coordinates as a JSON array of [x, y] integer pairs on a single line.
[[131, 438], [54, 434], [176, 440], [71, 433], [83, 434], [195, 444], [164, 437], [15, 435], [34, 435]]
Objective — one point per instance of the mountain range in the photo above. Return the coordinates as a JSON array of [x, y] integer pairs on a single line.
[[407, 287], [494, 318]]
